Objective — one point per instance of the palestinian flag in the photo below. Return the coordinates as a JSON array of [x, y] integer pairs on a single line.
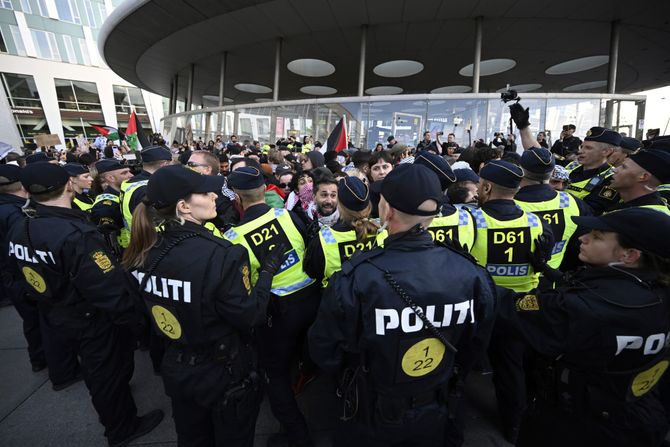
[[109, 132], [337, 141], [131, 133]]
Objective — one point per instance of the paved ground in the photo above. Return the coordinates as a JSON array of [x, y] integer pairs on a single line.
[[32, 414]]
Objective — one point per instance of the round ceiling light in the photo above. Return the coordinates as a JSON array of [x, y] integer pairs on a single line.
[[215, 98], [383, 90], [398, 69], [489, 67], [318, 90], [585, 86], [577, 65], [313, 68], [452, 89], [253, 88], [521, 88]]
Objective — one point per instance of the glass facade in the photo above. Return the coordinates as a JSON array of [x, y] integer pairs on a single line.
[[79, 105], [24, 100], [127, 99], [371, 120]]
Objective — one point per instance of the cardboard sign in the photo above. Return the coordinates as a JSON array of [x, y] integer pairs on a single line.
[[47, 140]]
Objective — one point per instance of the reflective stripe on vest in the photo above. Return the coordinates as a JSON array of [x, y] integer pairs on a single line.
[[660, 208], [127, 189], [557, 213], [458, 225], [261, 235], [584, 187], [503, 247], [337, 247]]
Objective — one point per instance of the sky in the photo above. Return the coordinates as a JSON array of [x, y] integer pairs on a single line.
[[657, 113]]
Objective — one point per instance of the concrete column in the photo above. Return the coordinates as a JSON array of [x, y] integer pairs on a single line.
[[361, 62], [478, 54], [275, 88], [614, 56], [222, 76], [189, 90]]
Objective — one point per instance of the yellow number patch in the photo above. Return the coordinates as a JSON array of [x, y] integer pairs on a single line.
[[646, 380], [166, 322], [102, 261], [34, 279], [423, 357], [528, 302]]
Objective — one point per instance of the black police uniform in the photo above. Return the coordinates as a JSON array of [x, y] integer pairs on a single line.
[[600, 197], [402, 393], [397, 371], [68, 268], [584, 397], [200, 300], [106, 214], [13, 287], [653, 198], [564, 148]]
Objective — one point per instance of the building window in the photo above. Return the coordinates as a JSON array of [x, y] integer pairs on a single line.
[[7, 4], [3, 45], [68, 11], [45, 44], [25, 7], [103, 11], [128, 99], [84, 52], [69, 50], [90, 15], [18, 41], [79, 105], [25, 103], [42, 6]]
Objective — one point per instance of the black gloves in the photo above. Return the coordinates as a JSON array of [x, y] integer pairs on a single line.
[[520, 115], [538, 260], [273, 260]]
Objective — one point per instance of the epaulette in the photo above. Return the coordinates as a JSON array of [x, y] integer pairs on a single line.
[[360, 257]]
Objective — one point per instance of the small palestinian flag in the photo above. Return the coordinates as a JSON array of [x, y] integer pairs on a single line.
[[131, 133], [109, 132], [337, 141]]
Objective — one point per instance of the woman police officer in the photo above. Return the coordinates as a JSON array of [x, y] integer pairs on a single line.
[[353, 231], [603, 335], [198, 291]]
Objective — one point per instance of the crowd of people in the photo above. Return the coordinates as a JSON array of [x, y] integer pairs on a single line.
[[246, 269]]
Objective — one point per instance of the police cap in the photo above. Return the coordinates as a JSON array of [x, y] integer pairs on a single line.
[[9, 174], [170, 184], [108, 164], [654, 161], [438, 165], [407, 186], [246, 178], [537, 160], [466, 175], [662, 143], [37, 157], [640, 227], [353, 193], [630, 144], [603, 135], [41, 178], [75, 169], [361, 157], [156, 153], [502, 173]]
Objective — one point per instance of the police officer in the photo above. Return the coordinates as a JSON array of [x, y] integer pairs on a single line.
[[506, 238], [603, 335], [660, 143], [66, 266], [352, 232], [106, 209], [12, 198], [590, 175], [627, 146], [565, 148], [451, 223], [399, 335], [555, 208], [638, 177], [197, 288], [132, 190], [81, 182], [295, 295]]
